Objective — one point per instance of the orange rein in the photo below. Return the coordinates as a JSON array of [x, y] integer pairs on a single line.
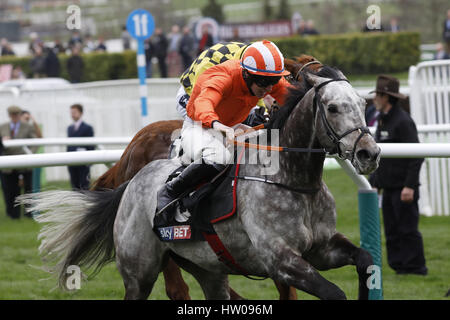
[[253, 145]]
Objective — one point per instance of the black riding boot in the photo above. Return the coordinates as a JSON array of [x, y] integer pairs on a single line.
[[186, 181]]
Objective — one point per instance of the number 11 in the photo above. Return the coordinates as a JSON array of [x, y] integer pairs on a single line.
[[138, 21]]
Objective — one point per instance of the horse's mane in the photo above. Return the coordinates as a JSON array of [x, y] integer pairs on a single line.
[[295, 94]]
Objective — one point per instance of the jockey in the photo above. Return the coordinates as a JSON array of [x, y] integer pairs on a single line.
[[221, 100], [218, 53]]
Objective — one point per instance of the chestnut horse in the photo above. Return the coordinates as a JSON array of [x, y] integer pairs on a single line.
[[151, 143]]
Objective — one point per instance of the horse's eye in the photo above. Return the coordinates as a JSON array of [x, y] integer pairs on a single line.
[[332, 108]]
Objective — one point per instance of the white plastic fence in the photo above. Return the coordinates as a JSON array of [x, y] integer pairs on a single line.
[[430, 105], [111, 107]]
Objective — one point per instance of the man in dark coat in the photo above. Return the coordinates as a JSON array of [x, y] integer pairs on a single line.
[[399, 179], [160, 45], [446, 32], [79, 175], [75, 65], [52, 65]]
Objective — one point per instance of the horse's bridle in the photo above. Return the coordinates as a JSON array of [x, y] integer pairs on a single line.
[[304, 66], [331, 133]]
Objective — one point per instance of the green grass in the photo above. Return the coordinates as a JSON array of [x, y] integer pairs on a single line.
[[20, 278]]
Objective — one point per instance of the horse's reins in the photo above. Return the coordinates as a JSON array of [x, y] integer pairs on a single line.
[[331, 133]]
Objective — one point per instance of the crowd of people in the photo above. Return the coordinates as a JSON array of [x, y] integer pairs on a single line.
[[22, 125], [172, 53]]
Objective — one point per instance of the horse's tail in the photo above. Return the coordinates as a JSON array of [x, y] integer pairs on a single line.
[[79, 227]]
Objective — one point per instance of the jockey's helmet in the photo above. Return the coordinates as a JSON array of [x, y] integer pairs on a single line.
[[263, 58]]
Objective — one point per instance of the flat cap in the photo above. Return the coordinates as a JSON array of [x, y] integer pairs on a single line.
[[14, 110]]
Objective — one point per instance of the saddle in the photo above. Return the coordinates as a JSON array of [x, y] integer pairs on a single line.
[[210, 203]]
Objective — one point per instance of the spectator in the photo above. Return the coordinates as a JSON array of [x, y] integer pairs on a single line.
[[75, 40], [393, 25], [17, 73], [52, 65], [440, 52], [160, 51], [58, 47], [89, 45], [79, 175], [236, 36], [371, 115], [37, 63], [75, 65], [5, 48], [399, 179], [25, 116], [148, 48], [34, 41], [101, 45], [206, 40], [15, 129], [173, 57], [126, 39], [186, 47], [446, 32], [310, 28], [301, 28]]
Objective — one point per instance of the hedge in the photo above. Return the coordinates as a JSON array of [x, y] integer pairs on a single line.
[[358, 53], [97, 65]]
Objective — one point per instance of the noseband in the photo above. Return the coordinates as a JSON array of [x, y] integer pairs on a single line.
[[331, 133]]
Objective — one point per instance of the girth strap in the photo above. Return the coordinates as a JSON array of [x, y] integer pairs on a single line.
[[225, 256]]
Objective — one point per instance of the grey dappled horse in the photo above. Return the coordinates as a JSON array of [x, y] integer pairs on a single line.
[[280, 231]]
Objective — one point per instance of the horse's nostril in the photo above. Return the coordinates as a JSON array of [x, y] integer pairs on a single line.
[[363, 155]]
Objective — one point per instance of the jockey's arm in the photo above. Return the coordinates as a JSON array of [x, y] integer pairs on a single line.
[[204, 111], [204, 107]]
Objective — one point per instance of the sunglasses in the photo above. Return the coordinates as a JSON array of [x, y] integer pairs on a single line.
[[264, 82]]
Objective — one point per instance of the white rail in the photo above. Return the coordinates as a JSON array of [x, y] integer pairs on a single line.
[[424, 128], [67, 141], [59, 159], [388, 150]]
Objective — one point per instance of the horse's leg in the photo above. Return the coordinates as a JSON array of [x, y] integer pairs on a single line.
[[139, 267], [139, 274], [290, 269], [214, 285], [176, 288], [286, 265], [338, 252], [140, 256], [286, 292]]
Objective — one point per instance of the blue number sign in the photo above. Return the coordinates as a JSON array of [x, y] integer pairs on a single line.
[[140, 25]]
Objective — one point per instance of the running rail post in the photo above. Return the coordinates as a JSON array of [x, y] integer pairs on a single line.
[[369, 227]]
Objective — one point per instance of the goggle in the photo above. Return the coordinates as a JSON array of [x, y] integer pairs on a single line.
[[264, 82]]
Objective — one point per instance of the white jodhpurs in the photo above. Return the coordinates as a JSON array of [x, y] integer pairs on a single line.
[[182, 99], [203, 143]]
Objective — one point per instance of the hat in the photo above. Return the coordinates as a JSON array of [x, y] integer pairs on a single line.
[[14, 110], [388, 85]]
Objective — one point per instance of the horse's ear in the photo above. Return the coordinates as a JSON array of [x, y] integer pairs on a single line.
[[290, 65], [341, 74], [313, 80]]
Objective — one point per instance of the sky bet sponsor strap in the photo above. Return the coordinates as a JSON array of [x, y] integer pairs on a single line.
[[182, 232]]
